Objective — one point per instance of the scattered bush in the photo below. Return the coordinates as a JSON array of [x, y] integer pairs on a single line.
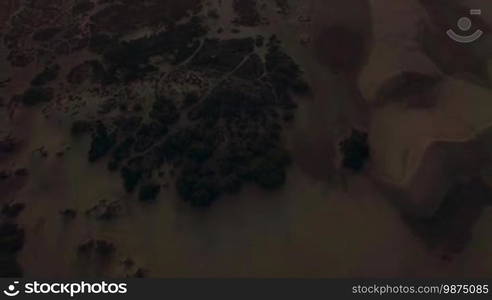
[[49, 74], [37, 95], [355, 151], [149, 192]]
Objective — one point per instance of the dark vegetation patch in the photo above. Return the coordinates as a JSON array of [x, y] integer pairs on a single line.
[[83, 7], [235, 135], [164, 111], [68, 213], [149, 192], [107, 106], [283, 71], [11, 237], [247, 12], [37, 95], [92, 71], [80, 127], [128, 15], [222, 55], [131, 177], [11, 241], [46, 34], [8, 145], [252, 69], [105, 210], [355, 151], [129, 60], [222, 132], [214, 143], [101, 248], [102, 142], [12, 210], [41, 29], [283, 6], [49, 74]]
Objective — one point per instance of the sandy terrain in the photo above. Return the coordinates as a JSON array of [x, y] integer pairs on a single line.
[[325, 222]]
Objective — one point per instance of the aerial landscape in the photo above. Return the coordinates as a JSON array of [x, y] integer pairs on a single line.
[[244, 138]]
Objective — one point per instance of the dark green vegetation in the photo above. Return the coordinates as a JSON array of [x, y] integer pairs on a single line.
[[37, 95], [49, 74], [283, 6], [102, 142], [11, 241], [126, 15], [222, 55], [80, 127], [149, 192], [213, 142], [105, 210], [130, 60], [12, 210], [101, 248], [46, 34], [92, 71], [247, 12], [355, 151], [83, 7], [222, 130]]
